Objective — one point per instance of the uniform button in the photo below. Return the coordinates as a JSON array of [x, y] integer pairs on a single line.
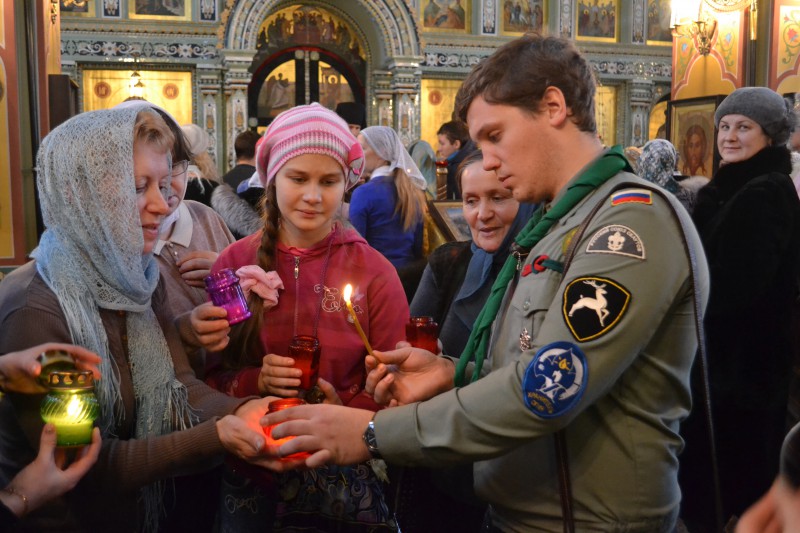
[[526, 305], [121, 313], [354, 389], [124, 338]]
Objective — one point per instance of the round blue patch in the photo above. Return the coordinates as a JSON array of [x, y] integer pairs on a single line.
[[555, 379]]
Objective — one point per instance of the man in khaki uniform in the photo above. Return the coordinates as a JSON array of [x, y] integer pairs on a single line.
[[596, 349]]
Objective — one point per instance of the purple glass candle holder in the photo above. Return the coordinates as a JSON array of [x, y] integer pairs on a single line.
[[224, 290]]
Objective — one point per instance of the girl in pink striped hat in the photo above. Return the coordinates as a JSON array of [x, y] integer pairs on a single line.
[[296, 268]]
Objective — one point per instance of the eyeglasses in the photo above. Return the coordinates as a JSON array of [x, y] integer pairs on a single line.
[[179, 168]]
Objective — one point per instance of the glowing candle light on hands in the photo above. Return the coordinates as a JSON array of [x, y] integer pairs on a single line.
[[348, 291]]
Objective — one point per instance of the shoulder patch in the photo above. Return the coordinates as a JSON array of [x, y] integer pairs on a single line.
[[618, 240], [555, 379], [593, 306], [632, 196]]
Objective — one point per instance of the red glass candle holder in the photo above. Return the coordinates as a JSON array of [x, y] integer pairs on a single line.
[[224, 290], [274, 407], [423, 332], [305, 351]]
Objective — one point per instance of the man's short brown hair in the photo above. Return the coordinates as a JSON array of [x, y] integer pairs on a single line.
[[455, 130], [245, 144], [520, 71]]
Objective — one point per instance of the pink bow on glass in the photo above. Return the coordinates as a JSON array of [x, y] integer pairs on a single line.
[[265, 284]]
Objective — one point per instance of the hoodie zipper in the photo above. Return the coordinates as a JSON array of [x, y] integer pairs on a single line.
[[296, 290]]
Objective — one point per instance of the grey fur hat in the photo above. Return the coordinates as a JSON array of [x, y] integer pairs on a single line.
[[763, 105]]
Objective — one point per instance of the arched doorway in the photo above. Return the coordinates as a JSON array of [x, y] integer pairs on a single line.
[[305, 54]]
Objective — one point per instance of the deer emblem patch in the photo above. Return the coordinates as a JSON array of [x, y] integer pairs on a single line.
[[593, 306]]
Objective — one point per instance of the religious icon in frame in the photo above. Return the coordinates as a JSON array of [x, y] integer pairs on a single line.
[[522, 16], [597, 20], [691, 129], [160, 9], [77, 8], [445, 15], [449, 218]]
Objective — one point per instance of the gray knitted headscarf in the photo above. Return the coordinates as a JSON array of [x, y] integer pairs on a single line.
[[91, 258], [764, 106]]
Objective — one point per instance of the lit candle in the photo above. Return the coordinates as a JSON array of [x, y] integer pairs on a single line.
[[74, 427], [348, 290], [71, 406]]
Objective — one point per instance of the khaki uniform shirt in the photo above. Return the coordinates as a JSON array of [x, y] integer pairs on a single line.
[[626, 352]]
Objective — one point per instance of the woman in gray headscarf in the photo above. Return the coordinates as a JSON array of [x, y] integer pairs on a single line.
[[657, 164], [388, 210], [94, 282]]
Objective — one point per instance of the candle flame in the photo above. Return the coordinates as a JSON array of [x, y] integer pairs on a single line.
[[73, 407], [348, 291]]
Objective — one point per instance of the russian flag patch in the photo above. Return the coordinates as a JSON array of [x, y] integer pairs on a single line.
[[632, 196]]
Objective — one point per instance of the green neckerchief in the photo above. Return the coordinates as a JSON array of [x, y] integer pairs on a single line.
[[608, 165]]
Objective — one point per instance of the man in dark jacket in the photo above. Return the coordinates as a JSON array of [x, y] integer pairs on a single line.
[[245, 148]]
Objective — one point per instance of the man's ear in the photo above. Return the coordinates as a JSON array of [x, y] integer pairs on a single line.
[[457, 144], [555, 106]]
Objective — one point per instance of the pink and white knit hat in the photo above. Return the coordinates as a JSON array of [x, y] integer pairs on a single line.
[[308, 129]]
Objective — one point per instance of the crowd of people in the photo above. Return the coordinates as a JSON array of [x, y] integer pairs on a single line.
[[615, 351]]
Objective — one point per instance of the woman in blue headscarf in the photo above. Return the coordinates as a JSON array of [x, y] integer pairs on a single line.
[[455, 285], [459, 275]]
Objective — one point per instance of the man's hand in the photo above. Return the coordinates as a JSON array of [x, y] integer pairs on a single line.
[[407, 375], [195, 266], [331, 433], [210, 326], [19, 370]]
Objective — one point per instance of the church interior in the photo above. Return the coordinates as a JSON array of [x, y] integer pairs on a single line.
[[167, 306]]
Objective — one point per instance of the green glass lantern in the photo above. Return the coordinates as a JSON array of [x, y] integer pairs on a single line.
[[71, 406]]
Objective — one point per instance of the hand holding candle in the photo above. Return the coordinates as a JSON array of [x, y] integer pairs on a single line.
[[305, 351], [280, 405], [348, 291]]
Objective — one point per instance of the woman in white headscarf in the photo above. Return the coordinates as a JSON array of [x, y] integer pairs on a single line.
[[388, 210], [94, 282]]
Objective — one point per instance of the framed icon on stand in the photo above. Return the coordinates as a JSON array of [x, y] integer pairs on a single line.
[[690, 127]]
